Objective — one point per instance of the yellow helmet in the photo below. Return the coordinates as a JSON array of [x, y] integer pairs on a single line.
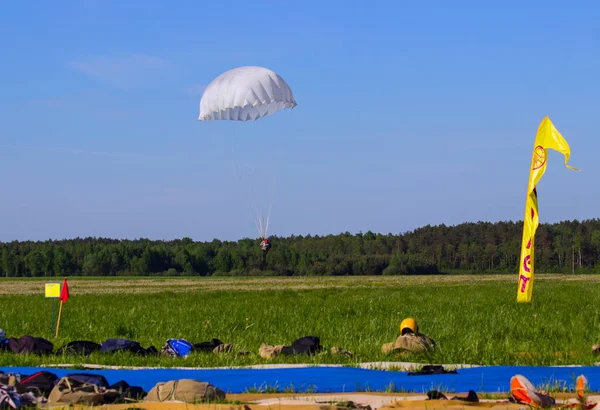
[[409, 324]]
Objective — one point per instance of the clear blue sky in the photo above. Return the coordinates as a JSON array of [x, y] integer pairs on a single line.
[[409, 113]]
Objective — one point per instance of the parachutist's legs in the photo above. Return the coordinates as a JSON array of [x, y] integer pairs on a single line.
[[264, 259]]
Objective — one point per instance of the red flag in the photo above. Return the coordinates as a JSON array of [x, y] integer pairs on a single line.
[[64, 292]]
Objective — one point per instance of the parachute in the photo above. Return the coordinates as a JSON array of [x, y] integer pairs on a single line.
[[246, 94]]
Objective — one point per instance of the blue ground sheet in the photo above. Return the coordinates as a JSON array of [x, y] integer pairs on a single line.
[[345, 379]]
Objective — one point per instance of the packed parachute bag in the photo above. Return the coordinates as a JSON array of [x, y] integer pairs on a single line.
[[186, 390], [216, 346], [40, 384], [432, 369], [305, 345], [90, 378], [120, 344], [115, 393], [177, 348], [126, 345], [79, 347], [471, 396], [70, 390], [269, 351], [9, 398], [9, 379], [30, 345], [128, 393], [227, 348], [207, 346], [151, 351]]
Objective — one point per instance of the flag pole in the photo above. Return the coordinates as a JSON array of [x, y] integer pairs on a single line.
[[53, 314], [64, 296], [59, 313]]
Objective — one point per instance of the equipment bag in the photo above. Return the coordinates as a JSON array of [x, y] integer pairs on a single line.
[[186, 390], [79, 347], [304, 345], [9, 398], [207, 346], [30, 344], [72, 391], [116, 345], [40, 384], [127, 392], [96, 379]]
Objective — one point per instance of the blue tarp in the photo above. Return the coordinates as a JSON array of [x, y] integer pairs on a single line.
[[344, 379]]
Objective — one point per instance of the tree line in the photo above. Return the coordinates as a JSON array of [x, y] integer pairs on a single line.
[[483, 247]]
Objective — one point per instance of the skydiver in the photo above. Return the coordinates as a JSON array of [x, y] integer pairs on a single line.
[[265, 245], [410, 339]]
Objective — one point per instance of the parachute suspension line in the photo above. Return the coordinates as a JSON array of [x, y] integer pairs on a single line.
[[278, 155], [258, 217], [250, 193], [271, 205], [263, 228], [259, 228], [239, 175]]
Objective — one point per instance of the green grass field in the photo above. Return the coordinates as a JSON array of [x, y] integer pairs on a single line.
[[474, 319]]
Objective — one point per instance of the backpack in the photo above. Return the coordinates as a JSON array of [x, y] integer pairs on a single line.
[[207, 346], [96, 379], [177, 348], [186, 390], [72, 391], [40, 383], [79, 347], [304, 345], [30, 344]]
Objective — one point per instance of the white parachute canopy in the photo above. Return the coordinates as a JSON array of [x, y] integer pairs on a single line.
[[245, 93]]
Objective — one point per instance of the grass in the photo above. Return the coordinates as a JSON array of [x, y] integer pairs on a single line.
[[266, 388], [474, 319]]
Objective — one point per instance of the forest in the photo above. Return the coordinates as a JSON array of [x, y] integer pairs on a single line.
[[482, 247]]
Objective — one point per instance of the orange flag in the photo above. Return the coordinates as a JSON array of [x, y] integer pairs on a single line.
[[64, 296], [64, 291]]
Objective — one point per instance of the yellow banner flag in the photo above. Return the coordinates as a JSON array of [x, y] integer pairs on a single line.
[[547, 137]]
